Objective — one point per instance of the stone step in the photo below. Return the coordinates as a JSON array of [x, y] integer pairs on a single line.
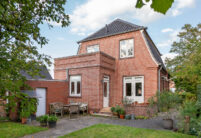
[[103, 114], [105, 110]]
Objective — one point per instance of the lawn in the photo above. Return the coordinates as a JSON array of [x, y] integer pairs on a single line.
[[15, 130], [115, 131]]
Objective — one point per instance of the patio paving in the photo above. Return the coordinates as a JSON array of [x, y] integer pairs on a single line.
[[66, 125]]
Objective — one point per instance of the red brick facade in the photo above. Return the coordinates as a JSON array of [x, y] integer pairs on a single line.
[[56, 90], [93, 66]]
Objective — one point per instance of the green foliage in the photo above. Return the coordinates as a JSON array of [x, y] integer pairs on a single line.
[[187, 96], [160, 6], [28, 106], [122, 112], [167, 100], [42, 119], [185, 67], [20, 37], [189, 109], [52, 118], [112, 109]]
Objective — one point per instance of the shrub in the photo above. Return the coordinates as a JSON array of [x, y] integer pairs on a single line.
[[112, 109], [122, 112], [118, 109], [42, 119], [52, 118]]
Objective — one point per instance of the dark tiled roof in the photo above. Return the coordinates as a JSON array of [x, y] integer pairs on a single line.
[[118, 26], [44, 74], [156, 54]]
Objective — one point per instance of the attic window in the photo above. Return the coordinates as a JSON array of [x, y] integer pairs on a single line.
[[93, 48], [126, 48]]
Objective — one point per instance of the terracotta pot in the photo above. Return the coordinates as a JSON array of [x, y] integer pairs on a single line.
[[24, 120], [52, 124], [121, 116], [115, 113]]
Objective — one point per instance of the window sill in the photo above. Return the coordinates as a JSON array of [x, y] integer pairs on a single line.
[[125, 57], [74, 96]]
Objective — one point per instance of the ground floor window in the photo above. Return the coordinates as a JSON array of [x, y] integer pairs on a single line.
[[75, 85], [134, 88]]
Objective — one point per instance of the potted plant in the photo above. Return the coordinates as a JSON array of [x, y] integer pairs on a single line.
[[43, 120], [24, 115], [113, 110], [52, 120], [122, 113], [117, 110], [168, 122]]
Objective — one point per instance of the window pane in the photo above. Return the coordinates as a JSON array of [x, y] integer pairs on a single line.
[[128, 89], [126, 48], [138, 90], [72, 87], [93, 48], [78, 87], [105, 89]]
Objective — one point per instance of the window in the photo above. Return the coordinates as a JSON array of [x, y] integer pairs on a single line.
[[128, 89], [134, 88], [127, 48], [93, 48], [75, 85]]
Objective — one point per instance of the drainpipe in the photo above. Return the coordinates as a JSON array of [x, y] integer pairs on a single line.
[[159, 78]]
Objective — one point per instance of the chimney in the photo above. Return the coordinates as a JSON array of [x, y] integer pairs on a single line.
[[106, 27]]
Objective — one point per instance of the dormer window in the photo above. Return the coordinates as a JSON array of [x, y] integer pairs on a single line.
[[126, 48], [93, 48]]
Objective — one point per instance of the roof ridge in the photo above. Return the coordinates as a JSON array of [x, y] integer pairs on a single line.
[[113, 30]]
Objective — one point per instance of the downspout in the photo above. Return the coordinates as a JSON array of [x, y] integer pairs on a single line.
[[159, 78]]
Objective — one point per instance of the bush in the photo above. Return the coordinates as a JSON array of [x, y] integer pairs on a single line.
[[112, 109], [52, 118], [42, 119], [122, 112], [167, 100], [118, 109]]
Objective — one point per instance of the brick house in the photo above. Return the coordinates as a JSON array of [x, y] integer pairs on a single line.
[[119, 60]]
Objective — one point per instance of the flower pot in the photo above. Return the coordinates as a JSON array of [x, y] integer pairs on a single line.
[[168, 123], [52, 124], [43, 124], [24, 120], [121, 116]]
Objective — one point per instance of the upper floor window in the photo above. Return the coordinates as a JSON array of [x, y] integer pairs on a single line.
[[126, 48], [75, 85], [93, 48]]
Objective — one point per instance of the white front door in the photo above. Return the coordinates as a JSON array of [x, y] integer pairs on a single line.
[[106, 91], [41, 96]]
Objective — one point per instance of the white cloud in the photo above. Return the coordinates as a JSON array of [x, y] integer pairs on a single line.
[[96, 13], [167, 30], [171, 37], [168, 55], [181, 4]]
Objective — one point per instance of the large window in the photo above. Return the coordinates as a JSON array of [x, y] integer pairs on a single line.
[[93, 48], [126, 48], [75, 85], [134, 88]]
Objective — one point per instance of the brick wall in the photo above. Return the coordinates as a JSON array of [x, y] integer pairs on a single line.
[[140, 64], [56, 91], [2, 111]]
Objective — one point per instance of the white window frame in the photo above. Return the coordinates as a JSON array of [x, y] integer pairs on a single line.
[[133, 80], [75, 79], [91, 49], [120, 47]]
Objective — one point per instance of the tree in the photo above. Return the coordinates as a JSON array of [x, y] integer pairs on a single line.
[[185, 68], [19, 37], [160, 6]]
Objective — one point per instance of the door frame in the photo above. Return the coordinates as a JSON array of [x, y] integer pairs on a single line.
[[106, 79]]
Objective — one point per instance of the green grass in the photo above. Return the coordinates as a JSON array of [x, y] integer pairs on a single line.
[[15, 130], [115, 131]]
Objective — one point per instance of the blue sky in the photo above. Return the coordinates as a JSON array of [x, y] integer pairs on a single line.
[[87, 16]]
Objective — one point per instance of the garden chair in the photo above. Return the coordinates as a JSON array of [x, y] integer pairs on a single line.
[[56, 108]]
